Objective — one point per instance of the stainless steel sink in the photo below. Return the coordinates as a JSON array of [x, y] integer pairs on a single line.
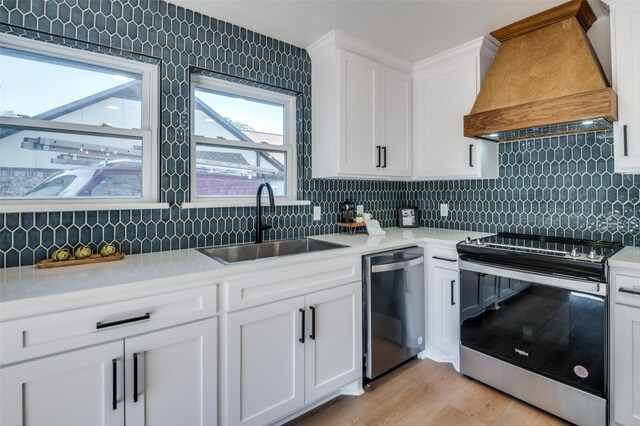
[[247, 252]]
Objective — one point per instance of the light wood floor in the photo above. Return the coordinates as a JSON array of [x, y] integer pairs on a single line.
[[427, 393]]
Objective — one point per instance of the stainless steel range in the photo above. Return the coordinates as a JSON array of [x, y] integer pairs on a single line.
[[534, 320]]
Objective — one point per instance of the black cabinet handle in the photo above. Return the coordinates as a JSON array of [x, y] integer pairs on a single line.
[[470, 155], [114, 396], [629, 291], [100, 325], [453, 302], [313, 323], [378, 148], [384, 157], [624, 139], [135, 377], [444, 258], [301, 339]]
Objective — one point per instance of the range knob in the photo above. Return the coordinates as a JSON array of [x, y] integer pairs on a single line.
[[468, 240], [593, 254], [479, 242], [574, 252]]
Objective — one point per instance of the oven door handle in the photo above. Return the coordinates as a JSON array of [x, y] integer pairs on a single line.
[[598, 289]]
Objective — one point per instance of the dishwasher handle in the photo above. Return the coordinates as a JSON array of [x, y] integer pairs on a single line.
[[397, 265]]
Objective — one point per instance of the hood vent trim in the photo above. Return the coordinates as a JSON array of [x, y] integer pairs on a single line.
[[545, 80]]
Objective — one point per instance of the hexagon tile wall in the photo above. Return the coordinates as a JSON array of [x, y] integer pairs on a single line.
[[557, 185]]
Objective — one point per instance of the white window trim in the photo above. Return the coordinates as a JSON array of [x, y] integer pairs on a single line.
[[148, 131], [289, 146]]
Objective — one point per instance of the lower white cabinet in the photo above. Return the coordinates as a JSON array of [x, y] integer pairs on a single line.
[[443, 305], [625, 347], [626, 365], [447, 310], [176, 382], [73, 388], [285, 354]]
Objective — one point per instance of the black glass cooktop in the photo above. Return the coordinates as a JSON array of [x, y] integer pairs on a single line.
[[550, 255]]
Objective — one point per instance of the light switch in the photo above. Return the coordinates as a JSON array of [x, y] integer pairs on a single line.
[[317, 213], [444, 210]]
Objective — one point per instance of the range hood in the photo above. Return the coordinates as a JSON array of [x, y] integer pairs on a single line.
[[545, 79]]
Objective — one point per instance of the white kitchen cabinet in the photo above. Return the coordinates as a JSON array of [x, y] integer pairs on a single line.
[[333, 351], [396, 121], [447, 310], [359, 113], [265, 364], [626, 365], [625, 344], [69, 389], [276, 364], [63, 367], [362, 111], [625, 61], [445, 89], [176, 382], [443, 305]]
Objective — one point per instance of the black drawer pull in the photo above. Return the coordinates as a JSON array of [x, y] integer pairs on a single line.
[[100, 325], [453, 302], [313, 323], [378, 148], [301, 339], [471, 155], [444, 258], [629, 291], [135, 377], [114, 395], [384, 157], [624, 139]]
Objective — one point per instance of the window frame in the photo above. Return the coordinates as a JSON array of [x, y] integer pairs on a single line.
[[289, 103], [148, 133]]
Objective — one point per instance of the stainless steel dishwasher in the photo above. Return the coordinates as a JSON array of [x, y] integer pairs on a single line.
[[393, 305]]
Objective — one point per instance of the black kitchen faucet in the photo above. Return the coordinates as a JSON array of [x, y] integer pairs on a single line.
[[259, 226]]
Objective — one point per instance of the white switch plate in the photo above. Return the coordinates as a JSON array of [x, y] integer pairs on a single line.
[[360, 209], [317, 213], [444, 210]]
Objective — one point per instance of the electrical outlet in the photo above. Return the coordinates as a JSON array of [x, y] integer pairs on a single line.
[[444, 210], [317, 213], [360, 209]]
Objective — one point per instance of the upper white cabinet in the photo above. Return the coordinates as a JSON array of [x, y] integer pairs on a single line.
[[362, 111], [445, 88], [625, 52]]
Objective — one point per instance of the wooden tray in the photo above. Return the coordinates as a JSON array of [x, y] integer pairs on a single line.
[[351, 225], [95, 258]]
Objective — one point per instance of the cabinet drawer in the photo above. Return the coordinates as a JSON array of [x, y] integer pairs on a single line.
[[48, 334], [627, 290], [273, 284], [443, 258]]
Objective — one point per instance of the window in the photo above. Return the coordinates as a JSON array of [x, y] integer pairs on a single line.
[[76, 127], [242, 136]]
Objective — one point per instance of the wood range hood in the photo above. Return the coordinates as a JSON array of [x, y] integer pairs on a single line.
[[545, 79]]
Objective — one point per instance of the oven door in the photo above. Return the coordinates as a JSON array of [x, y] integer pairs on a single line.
[[552, 329]]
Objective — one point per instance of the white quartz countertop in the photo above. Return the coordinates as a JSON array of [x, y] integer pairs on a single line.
[[628, 257], [28, 286]]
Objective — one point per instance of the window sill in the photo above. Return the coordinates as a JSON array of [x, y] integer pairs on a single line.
[[243, 203], [29, 208]]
